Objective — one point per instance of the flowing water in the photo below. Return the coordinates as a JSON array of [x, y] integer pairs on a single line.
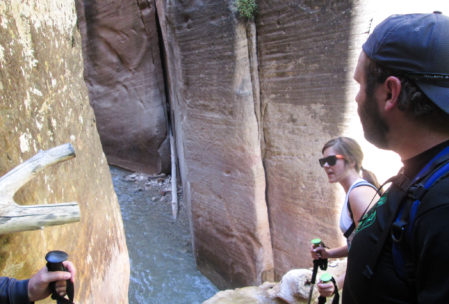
[[163, 269]]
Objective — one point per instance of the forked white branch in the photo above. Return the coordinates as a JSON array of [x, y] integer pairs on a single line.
[[15, 217]]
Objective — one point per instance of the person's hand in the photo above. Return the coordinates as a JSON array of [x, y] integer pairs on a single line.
[[326, 289], [38, 286], [319, 252]]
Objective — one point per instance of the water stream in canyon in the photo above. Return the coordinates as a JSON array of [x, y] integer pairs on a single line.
[[163, 269]]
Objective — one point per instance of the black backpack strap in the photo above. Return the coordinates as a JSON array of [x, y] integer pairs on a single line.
[[402, 227], [433, 171], [350, 230], [385, 217], [381, 217]]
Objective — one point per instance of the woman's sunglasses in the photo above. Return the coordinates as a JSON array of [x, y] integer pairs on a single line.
[[331, 160]]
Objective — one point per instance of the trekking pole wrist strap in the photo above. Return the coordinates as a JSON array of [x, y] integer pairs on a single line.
[[336, 294]]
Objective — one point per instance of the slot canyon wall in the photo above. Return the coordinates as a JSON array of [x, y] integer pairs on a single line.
[[304, 103], [126, 82], [251, 102], [218, 140], [44, 103]]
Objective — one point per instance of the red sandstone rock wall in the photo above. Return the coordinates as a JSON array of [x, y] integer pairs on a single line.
[[217, 139], [303, 59], [252, 103], [224, 130], [43, 104], [124, 76]]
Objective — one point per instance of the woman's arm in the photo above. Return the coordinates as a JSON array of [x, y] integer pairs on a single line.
[[361, 200], [326, 253]]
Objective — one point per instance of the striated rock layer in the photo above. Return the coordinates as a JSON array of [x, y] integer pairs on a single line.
[[302, 87], [252, 103], [216, 130], [43, 104], [248, 101]]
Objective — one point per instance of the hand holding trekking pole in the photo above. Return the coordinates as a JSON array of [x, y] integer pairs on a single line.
[[318, 250], [46, 280], [319, 253], [56, 261], [326, 278], [319, 262]]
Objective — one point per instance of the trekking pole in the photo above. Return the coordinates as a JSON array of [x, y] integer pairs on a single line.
[[322, 263], [326, 278], [54, 263]]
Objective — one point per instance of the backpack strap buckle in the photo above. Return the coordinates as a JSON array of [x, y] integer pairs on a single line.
[[398, 229], [417, 191]]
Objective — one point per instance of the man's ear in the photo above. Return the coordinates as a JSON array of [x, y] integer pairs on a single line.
[[392, 86]]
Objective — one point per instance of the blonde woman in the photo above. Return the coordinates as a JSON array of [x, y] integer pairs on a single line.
[[342, 162]]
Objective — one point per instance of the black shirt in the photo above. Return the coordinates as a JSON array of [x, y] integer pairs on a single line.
[[371, 276]]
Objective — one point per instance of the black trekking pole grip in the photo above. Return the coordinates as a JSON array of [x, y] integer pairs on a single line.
[[54, 263]]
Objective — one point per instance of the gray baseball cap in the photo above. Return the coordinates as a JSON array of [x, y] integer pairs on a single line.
[[417, 46]]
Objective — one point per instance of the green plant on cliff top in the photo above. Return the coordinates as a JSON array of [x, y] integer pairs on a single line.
[[246, 8]]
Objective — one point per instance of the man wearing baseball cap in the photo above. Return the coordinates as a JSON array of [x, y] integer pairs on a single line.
[[400, 253]]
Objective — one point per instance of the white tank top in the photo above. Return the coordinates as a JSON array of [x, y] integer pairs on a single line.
[[345, 217]]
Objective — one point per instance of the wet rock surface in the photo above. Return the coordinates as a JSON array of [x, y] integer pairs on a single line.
[[163, 268]]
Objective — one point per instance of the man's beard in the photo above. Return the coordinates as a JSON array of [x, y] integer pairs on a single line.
[[374, 126]]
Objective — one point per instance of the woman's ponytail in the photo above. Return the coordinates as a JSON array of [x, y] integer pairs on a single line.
[[371, 178]]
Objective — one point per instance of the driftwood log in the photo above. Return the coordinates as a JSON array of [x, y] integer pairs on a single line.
[[14, 217]]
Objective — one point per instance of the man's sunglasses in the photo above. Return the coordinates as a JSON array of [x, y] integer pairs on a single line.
[[331, 160]]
